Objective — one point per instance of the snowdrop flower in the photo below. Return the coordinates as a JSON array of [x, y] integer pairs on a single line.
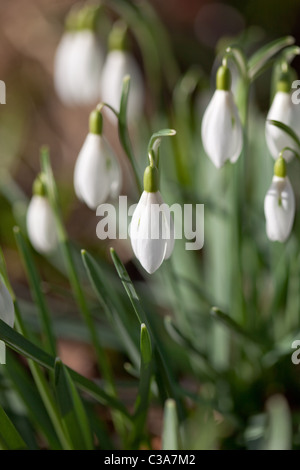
[[284, 110], [78, 61], [7, 309], [151, 229], [222, 133], [119, 63], [40, 220], [279, 205], [97, 174]]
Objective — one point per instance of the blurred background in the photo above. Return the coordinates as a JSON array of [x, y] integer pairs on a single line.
[[196, 31]]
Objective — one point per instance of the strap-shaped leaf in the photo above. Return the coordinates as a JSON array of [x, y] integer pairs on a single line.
[[10, 438], [170, 436], [27, 349], [265, 53], [71, 408]]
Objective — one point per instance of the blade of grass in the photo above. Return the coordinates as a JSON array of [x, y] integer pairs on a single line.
[[115, 311], [23, 346], [265, 53], [39, 379], [170, 435], [38, 297], [142, 400], [71, 409], [123, 130], [233, 326], [161, 357], [31, 399], [10, 438]]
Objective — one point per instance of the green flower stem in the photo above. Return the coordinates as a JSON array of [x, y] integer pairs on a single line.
[[76, 283], [239, 196], [124, 136], [37, 294]]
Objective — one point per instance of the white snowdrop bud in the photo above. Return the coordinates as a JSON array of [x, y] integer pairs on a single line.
[[40, 220], [222, 133], [152, 227], [97, 174], [78, 61], [283, 110], [279, 205], [118, 63]]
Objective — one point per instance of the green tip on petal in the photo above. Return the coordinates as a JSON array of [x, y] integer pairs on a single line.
[[151, 179], [285, 79], [96, 122], [39, 186], [280, 167], [118, 37], [223, 78]]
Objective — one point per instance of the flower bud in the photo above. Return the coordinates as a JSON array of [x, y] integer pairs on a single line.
[[222, 133]]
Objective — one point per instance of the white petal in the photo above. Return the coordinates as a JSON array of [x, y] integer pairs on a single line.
[[151, 231], [7, 310], [61, 68], [116, 180], [279, 216], [85, 68], [117, 65], [92, 180], [169, 228], [283, 110], [221, 129], [41, 225], [135, 221]]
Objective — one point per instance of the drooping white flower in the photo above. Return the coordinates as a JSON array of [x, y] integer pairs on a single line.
[[40, 223], [222, 133], [7, 309], [283, 110], [117, 65], [152, 228], [97, 175], [78, 64], [279, 205]]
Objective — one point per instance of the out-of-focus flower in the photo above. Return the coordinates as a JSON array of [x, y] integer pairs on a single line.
[[118, 63], [284, 110], [152, 228], [7, 309], [97, 174], [78, 60], [40, 220], [279, 205], [222, 133]]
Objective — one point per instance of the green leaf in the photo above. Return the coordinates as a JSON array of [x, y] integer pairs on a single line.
[[31, 399], [113, 308], [10, 439], [71, 409], [279, 431], [35, 285], [142, 400], [288, 130], [123, 130], [170, 435], [263, 55], [233, 326], [163, 363], [27, 349]]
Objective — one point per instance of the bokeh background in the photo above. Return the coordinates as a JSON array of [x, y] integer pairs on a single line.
[[34, 116]]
